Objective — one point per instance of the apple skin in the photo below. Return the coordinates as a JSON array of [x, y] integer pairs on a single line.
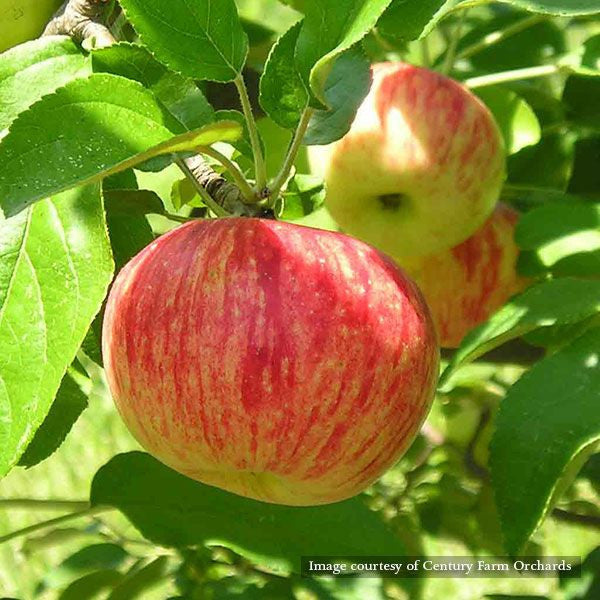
[[466, 284], [23, 20], [279, 362], [420, 169]]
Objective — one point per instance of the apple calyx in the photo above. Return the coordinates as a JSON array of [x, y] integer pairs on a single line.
[[392, 202]]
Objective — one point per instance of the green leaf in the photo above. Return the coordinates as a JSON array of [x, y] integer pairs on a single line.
[[35, 69], [557, 336], [284, 97], [564, 236], [591, 53], [135, 584], [547, 164], [179, 94], [304, 195], [68, 405], [92, 344], [89, 586], [581, 98], [516, 119], [123, 180], [555, 302], [203, 39], [89, 129], [329, 29], [243, 587], [558, 7], [538, 43], [86, 560], [585, 177], [320, 219], [55, 267], [172, 510], [277, 143], [283, 94], [586, 587], [410, 20], [183, 193], [556, 400], [346, 87], [128, 226], [243, 144]]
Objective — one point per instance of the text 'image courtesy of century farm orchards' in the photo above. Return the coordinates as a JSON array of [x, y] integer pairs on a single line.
[[300, 299]]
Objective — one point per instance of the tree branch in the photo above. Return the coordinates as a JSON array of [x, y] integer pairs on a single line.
[[224, 193], [578, 518], [82, 20], [88, 512]]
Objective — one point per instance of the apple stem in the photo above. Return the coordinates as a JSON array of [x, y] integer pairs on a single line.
[[469, 4], [260, 167], [425, 53], [500, 35], [291, 155], [42, 504], [87, 512], [450, 57], [515, 75]]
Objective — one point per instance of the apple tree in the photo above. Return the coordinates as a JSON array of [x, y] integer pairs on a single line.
[[282, 279]]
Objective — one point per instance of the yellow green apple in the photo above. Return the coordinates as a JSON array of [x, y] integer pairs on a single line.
[[420, 169], [23, 20]]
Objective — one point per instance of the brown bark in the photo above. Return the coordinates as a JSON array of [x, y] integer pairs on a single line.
[[82, 20]]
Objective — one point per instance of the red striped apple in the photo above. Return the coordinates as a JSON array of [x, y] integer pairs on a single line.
[[279, 362], [420, 169], [468, 283]]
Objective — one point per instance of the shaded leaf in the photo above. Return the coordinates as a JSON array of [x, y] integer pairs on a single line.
[[547, 164], [581, 98], [134, 585], [558, 7], [90, 585], [565, 238], [172, 510], [92, 343], [409, 20], [346, 87], [283, 94], [555, 302], [556, 400], [128, 227], [68, 405], [516, 119], [585, 177], [329, 29], [84, 561]]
